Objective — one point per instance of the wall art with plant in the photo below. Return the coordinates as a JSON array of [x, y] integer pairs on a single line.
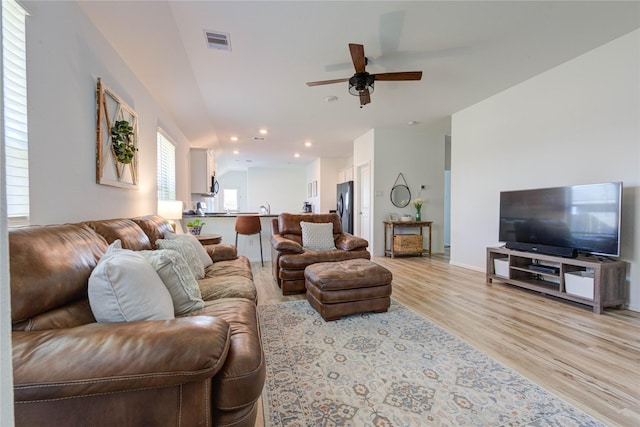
[[116, 140]]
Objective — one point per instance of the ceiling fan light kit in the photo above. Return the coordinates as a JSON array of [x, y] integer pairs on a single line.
[[361, 84]]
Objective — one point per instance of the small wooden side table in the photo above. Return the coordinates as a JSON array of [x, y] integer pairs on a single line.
[[390, 250], [209, 239]]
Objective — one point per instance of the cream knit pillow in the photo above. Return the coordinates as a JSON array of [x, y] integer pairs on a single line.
[[188, 252], [317, 236], [195, 244], [177, 277]]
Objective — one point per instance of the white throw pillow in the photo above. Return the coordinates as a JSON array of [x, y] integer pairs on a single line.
[[186, 250], [200, 250], [124, 287], [317, 236]]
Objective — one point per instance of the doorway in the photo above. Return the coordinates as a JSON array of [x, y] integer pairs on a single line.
[[447, 193], [364, 202]]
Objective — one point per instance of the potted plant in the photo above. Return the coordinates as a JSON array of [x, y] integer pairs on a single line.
[[194, 227], [122, 141]]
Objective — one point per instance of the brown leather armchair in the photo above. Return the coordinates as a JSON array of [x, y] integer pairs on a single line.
[[289, 258]]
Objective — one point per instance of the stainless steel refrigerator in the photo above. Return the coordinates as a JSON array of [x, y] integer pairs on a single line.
[[345, 205]]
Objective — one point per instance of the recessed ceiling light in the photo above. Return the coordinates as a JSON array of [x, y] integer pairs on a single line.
[[412, 122], [263, 131], [235, 151], [307, 144], [296, 155], [331, 98], [234, 138]]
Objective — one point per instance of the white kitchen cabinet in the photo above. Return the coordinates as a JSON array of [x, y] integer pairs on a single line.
[[202, 169], [345, 175]]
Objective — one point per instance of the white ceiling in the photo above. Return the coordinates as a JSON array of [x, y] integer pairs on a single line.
[[467, 51]]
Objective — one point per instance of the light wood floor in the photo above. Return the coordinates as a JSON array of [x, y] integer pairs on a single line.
[[591, 361]]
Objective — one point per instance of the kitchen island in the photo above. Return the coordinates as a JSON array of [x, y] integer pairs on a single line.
[[224, 224]]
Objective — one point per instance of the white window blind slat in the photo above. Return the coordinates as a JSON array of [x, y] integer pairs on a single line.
[[166, 168], [14, 74]]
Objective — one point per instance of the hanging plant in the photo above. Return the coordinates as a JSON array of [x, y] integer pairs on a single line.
[[122, 141]]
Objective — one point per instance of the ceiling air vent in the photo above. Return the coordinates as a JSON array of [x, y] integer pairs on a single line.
[[218, 40]]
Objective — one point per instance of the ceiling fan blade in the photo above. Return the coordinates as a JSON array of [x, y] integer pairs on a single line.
[[327, 82], [402, 75], [357, 56], [365, 98]]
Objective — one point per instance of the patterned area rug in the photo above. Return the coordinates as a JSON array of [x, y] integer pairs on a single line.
[[391, 369]]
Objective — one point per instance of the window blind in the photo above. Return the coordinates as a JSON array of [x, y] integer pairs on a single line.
[[14, 74], [166, 168]]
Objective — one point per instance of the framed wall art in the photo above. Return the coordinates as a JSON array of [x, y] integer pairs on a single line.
[[116, 140]]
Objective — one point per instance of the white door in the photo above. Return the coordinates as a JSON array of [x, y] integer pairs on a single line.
[[364, 199]]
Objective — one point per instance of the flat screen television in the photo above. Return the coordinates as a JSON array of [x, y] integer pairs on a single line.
[[563, 221]]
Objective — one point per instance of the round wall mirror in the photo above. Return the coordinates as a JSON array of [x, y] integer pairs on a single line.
[[400, 196]]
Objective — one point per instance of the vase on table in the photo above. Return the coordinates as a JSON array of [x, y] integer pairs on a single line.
[[418, 216]]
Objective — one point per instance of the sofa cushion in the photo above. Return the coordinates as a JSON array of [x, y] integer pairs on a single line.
[[177, 277], [124, 287], [34, 271], [125, 230], [154, 226], [195, 244], [289, 223], [213, 288], [188, 252], [239, 266], [229, 279], [317, 236], [221, 252]]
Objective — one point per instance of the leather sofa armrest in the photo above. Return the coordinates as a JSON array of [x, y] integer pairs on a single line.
[[222, 252], [349, 242], [286, 246], [101, 358]]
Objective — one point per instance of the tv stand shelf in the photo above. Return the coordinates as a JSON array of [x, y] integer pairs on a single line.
[[591, 281]]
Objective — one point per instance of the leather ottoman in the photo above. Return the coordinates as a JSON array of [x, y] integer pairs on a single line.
[[336, 289]]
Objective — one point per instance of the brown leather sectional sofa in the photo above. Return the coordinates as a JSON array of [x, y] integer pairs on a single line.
[[206, 368], [289, 258]]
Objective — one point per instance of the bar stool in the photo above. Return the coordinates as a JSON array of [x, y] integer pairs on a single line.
[[248, 225]]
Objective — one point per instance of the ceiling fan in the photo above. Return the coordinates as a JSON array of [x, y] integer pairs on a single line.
[[361, 84]]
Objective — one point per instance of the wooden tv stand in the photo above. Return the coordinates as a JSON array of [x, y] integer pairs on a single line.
[[548, 274]]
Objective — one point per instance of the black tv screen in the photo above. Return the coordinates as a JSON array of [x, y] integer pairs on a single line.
[[584, 218]]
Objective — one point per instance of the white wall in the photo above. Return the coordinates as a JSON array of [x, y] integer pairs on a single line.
[[232, 180], [284, 189], [364, 154], [418, 153], [65, 56], [575, 124], [325, 171], [314, 173], [328, 184]]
